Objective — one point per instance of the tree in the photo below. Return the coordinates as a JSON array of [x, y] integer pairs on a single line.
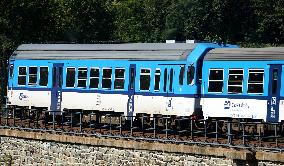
[[29, 21], [269, 17], [175, 20], [140, 20], [86, 21]]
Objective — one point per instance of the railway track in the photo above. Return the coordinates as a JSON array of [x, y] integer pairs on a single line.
[[211, 134]]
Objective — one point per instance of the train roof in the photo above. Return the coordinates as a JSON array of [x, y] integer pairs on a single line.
[[245, 54], [129, 51]]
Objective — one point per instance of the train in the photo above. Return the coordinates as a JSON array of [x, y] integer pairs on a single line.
[[197, 80]]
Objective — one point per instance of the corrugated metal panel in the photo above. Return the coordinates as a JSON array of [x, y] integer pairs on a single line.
[[246, 54], [139, 55], [139, 51], [93, 47]]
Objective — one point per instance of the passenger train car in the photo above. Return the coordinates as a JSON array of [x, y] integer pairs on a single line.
[[141, 78], [167, 79], [244, 83]]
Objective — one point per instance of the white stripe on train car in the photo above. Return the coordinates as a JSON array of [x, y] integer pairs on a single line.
[[179, 106], [281, 110], [118, 103], [29, 98], [234, 108], [94, 101]]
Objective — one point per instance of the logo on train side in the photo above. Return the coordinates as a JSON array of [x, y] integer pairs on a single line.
[[22, 96], [130, 104], [273, 107], [228, 104]]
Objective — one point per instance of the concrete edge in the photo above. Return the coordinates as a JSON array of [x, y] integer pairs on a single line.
[[269, 156], [130, 144]]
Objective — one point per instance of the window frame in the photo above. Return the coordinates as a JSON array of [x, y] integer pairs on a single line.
[[74, 77], [94, 77], [242, 85], [145, 74], [104, 68], [119, 68], [34, 84], [40, 76], [263, 81], [22, 75], [222, 69], [86, 79], [157, 74]]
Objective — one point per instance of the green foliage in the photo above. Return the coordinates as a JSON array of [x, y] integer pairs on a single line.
[[85, 21], [175, 20], [269, 17], [42, 21], [7, 160], [250, 23], [27, 21], [139, 20]]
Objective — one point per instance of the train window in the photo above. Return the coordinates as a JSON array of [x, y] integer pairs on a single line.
[[190, 74], [82, 77], [274, 81], [255, 81], [157, 80], [11, 70], [171, 79], [199, 70], [145, 79], [215, 80], [32, 75], [60, 76], [70, 77], [119, 78], [22, 76], [181, 74], [106, 83], [132, 77], [165, 79], [235, 82], [94, 77], [43, 76]]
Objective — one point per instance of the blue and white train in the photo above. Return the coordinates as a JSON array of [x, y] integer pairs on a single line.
[[172, 79]]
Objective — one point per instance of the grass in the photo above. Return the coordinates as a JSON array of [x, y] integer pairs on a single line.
[[7, 160]]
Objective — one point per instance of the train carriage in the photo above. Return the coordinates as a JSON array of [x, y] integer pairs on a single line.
[[243, 83], [141, 78]]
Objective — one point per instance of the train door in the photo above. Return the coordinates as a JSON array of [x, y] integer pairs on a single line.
[[168, 86], [274, 93], [56, 92], [168, 80], [131, 90]]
